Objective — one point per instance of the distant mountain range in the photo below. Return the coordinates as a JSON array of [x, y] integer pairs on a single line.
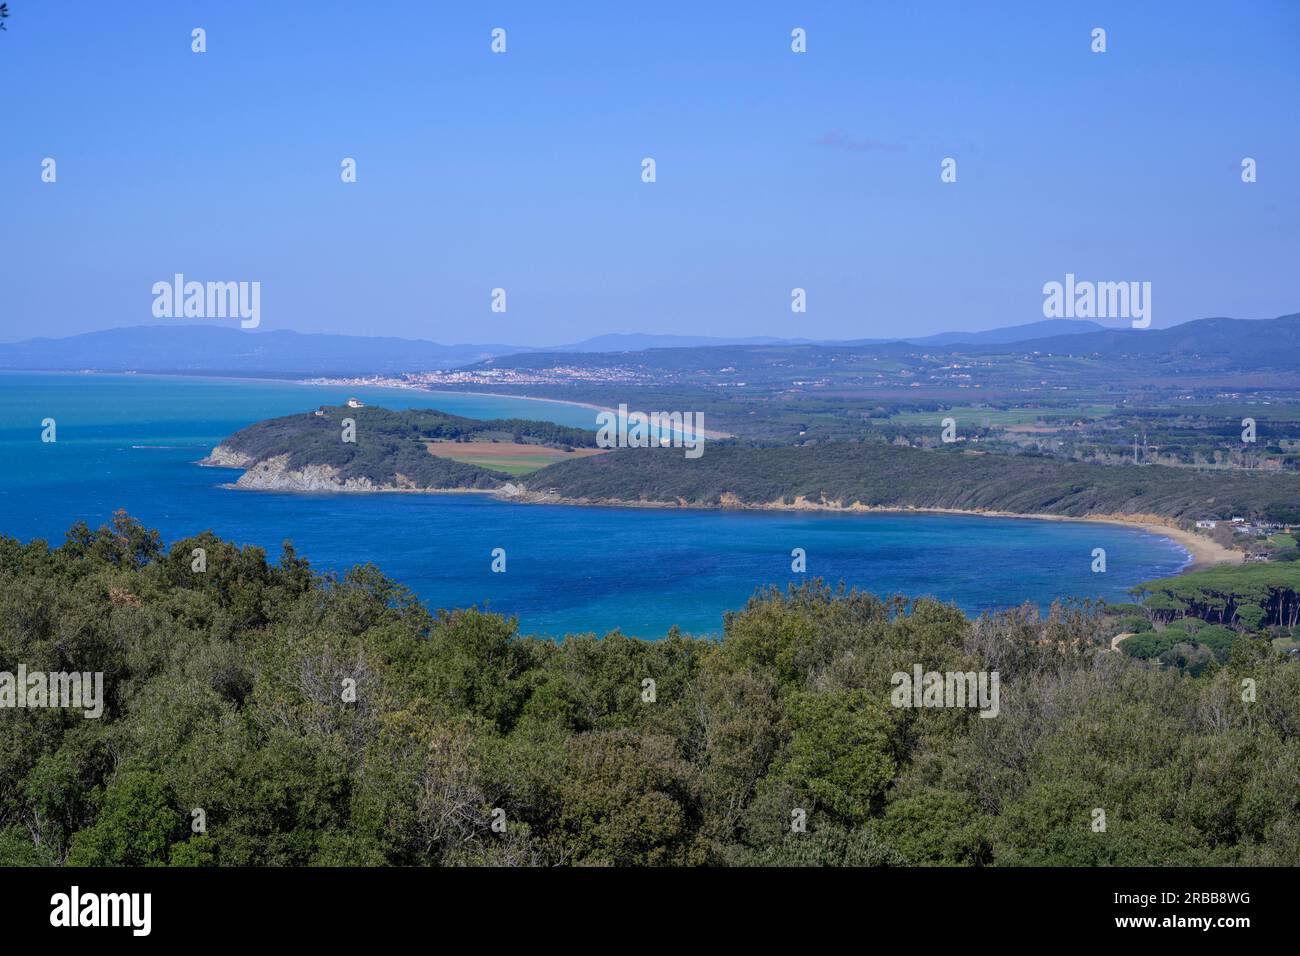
[[195, 349], [637, 342], [1268, 342], [1047, 328], [1248, 343], [214, 350], [1241, 345]]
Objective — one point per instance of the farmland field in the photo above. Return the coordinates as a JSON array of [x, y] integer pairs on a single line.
[[514, 458]]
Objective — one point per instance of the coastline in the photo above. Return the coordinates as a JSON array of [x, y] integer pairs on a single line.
[[234, 486], [711, 434], [1201, 551]]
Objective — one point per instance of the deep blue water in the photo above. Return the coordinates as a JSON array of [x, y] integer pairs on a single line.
[[131, 442]]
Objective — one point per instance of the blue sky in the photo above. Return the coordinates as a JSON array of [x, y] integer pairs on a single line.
[[522, 170]]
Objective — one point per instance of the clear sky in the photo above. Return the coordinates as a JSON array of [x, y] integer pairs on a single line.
[[523, 170]]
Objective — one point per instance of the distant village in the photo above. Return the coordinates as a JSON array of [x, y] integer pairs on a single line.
[[558, 375]]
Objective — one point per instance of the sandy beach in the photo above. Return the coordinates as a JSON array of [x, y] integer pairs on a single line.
[[1202, 552]]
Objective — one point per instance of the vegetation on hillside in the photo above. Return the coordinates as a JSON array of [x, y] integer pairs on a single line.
[[1249, 596], [390, 443], [227, 693], [1194, 622], [878, 475], [1182, 391]]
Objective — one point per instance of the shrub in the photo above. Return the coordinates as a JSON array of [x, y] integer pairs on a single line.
[[1133, 624]]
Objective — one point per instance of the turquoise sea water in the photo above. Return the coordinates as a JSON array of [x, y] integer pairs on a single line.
[[130, 441]]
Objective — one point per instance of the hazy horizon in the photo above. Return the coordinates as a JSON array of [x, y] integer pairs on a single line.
[[182, 323]]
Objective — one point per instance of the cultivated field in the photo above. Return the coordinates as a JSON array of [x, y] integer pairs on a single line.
[[514, 458]]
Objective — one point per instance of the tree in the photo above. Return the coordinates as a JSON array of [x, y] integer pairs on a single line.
[[136, 825], [839, 752]]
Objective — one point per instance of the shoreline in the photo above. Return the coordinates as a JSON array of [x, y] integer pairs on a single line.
[[710, 434], [1201, 552], [233, 486]]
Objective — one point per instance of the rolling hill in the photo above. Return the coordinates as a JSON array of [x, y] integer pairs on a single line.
[[214, 350]]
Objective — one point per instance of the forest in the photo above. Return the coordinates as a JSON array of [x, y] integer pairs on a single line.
[[1252, 595], [257, 712], [1193, 621], [956, 476], [387, 444], [381, 444]]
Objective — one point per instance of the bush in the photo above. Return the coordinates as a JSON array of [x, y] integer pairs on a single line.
[[1216, 637], [1124, 608], [1187, 657], [1145, 646], [1133, 624], [1251, 616]]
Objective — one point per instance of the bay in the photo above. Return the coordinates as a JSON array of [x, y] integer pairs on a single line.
[[130, 441]]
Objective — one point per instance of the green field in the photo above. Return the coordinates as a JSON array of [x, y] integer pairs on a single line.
[[511, 466], [514, 458]]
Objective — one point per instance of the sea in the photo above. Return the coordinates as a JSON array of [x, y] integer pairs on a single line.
[[132, 441]]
